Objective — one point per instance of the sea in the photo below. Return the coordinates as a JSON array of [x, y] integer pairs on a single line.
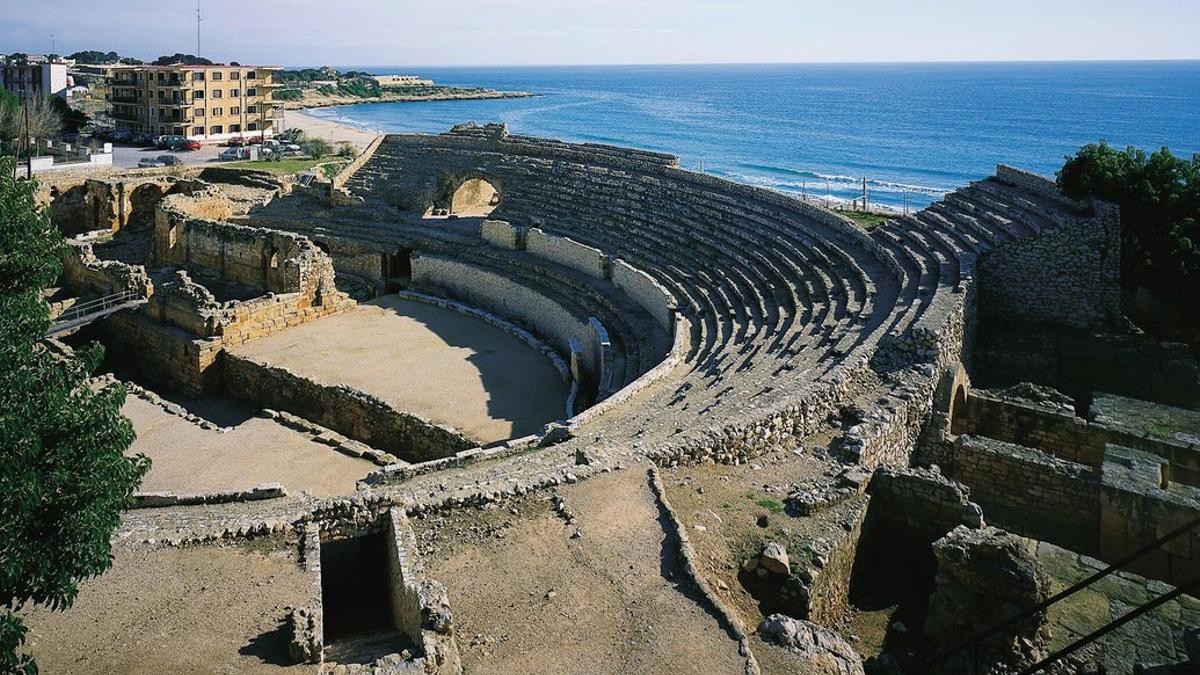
[[912, 132]]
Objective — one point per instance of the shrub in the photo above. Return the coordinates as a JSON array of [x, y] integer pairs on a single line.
[[316, 147], [346, 151], [1159, 196]]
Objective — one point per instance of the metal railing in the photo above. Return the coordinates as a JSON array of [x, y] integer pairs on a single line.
[[84, 312], [973, 643]]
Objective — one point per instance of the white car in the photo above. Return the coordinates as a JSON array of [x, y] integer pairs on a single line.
[[233, 154], [149, 163]]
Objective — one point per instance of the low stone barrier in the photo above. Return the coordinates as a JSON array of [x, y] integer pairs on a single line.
[[567, 252], [147, 500], [343, 409]]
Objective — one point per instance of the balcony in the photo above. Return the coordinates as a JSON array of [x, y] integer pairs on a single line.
[[126, 99], [128, 116]]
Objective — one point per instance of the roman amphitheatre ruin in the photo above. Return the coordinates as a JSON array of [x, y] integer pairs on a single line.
[[493, 403]]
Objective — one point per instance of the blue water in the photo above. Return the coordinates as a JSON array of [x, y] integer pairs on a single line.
[[914, 131]]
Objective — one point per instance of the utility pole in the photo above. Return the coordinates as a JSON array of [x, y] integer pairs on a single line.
[[864, 204], [28, 153], [53, 47]]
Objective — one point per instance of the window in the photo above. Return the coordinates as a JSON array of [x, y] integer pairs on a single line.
[[197, 131], [199, 112], [235, 75], [217, 129], [162, 77], [217, 112], [234, 93], [253, 126], [235, 128], [251, 75], [198, 77], [216, 93], [216, 76], [251, 110], [199, 93], [162, 112], [252, 92], [235, 110]]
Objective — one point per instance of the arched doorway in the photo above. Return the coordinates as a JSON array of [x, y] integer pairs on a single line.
[[958, 411], [474, 197]]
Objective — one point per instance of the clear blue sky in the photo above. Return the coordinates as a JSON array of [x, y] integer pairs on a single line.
[[474, 32]]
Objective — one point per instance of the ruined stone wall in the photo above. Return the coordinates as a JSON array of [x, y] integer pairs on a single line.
[[1137, 506], [645, 291], [567, 252], [1069, 276], [1028, 491], [420, 606], [1080, 363], [501, 234], [164, 354], [1057, 431], [270, 260], [84, 273], [343, 409]]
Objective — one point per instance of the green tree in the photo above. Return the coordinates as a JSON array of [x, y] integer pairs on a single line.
[[1159, 196], [64, 476], [316, 147]]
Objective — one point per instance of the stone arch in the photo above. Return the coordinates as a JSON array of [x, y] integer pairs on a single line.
[[950, 399], [475, 196]]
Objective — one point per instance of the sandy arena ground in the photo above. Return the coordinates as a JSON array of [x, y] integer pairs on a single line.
[[614, 600], [435, 363], [187, 458], [190, 610]]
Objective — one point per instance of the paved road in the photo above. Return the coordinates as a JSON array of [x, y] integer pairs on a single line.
[[127, 156]]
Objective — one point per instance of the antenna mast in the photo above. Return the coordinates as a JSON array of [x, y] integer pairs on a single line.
[[197, 28]]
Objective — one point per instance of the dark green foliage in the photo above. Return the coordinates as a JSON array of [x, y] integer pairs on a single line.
[[10, 105], [185, 59], [64, 477], [303, 75], [288, 95], [92, 56], [346, 151], [1159, 196]]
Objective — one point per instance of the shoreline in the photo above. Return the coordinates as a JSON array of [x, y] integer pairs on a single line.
[[333, 131], [331, 101]]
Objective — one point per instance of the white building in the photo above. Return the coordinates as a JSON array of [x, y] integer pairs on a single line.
[[35, 79]]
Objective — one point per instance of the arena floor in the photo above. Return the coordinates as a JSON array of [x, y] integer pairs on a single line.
[[435, 363], [187, 458]]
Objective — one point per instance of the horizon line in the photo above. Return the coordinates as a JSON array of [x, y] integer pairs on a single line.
[[753, 63]]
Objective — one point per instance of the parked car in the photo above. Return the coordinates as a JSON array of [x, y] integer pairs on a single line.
[[280, 147], [236, 142], [255, 140], [190, 145], [171, 142], [169, 160], [142, 139], [234, 154], [150, 162]]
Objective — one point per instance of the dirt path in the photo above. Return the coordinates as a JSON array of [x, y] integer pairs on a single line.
[[202, 610], [529, 598]]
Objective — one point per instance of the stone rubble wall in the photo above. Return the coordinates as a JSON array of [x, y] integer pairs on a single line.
[[269, 260], [83, 272], [1028, 491], [145, 500], [420, 606], [1059, 432], [1069, 276], [167, 355], [348, 411], [1080, 363], [1138, 506]]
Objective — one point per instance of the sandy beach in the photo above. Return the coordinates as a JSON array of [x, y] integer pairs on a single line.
[[328, 129]]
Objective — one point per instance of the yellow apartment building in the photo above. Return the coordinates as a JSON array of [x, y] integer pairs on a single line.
[[204, 103]]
